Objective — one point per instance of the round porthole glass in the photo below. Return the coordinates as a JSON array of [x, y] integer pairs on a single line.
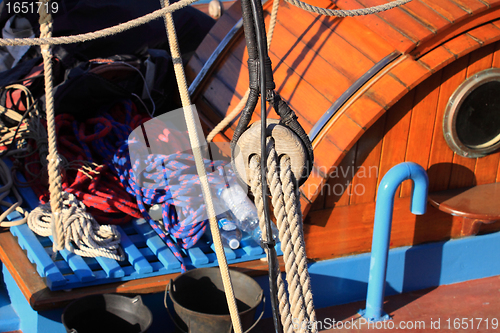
[[471, 123]]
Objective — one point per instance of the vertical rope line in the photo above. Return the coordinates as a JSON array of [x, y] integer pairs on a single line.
[[256, 187], [298, 299], [55, 179], [200, 167], [293, 272], [292, 207]]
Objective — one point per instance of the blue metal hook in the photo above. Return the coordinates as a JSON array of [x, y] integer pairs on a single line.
[[382, 230]]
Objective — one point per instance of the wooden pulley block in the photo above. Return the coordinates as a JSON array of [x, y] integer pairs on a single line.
[[286, 142]]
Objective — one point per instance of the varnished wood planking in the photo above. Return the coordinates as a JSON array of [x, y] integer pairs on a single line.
[[401, 20], [309, 65], [396, 134], [291, 86], [462, 45], [410, 72], [357, 35], [471, 6], [393, 36], [448, 9], [422, 125], [438, 58], [441, 157], [348, 230], [349, 127], [426, 15], [387, 90], [364, 183], [466, 24], [323, 40], [486, 33], [338, 186]]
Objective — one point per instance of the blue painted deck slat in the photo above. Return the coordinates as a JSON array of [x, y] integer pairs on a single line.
[[111, 267], [77, 264], [147, 255], [230, 255], [45, 265], [156, 244], [197, 256], [134, 256]]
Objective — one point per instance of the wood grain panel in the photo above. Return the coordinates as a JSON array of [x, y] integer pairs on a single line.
[[338, 186], [438, 58], [394, 37], [487, 33], [320, 34], [426, 16], [422, 125], [410, 72], [448, 9], [402, 21], [309, 27], [441, 155], [462, 45], [471, 6], [396, 134], [364, 183], [311, 66], [466, 24], [348, 229]]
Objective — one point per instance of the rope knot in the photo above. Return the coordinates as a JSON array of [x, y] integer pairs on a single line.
[[82, 234]]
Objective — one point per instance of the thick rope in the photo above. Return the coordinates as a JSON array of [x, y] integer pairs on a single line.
[[288, 217], [48, 40], [55, 179], [82, 234], [237, 109], [290, 191], [347, 12], [256, 188], [200, 167]]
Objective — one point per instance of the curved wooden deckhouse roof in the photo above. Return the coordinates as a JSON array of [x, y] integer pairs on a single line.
[[356, 86]]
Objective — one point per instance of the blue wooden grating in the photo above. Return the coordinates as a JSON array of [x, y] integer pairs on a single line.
[[147, 255]]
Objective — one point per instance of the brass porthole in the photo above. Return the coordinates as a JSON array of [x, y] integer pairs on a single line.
[[471, 123]]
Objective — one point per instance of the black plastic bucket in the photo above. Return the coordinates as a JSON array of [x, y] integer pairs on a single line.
[[200, 301], [107, 313]]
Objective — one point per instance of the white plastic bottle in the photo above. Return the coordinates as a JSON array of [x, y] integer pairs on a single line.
[[231, 238], [245, 212]]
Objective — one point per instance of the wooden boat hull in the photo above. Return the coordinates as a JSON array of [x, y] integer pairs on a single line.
[[371, 92]]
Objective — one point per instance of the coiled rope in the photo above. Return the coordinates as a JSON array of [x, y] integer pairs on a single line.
[[169, 180], [296, 305], [82, 234]]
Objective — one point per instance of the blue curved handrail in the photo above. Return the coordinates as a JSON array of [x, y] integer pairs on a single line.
[[382, 229]]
